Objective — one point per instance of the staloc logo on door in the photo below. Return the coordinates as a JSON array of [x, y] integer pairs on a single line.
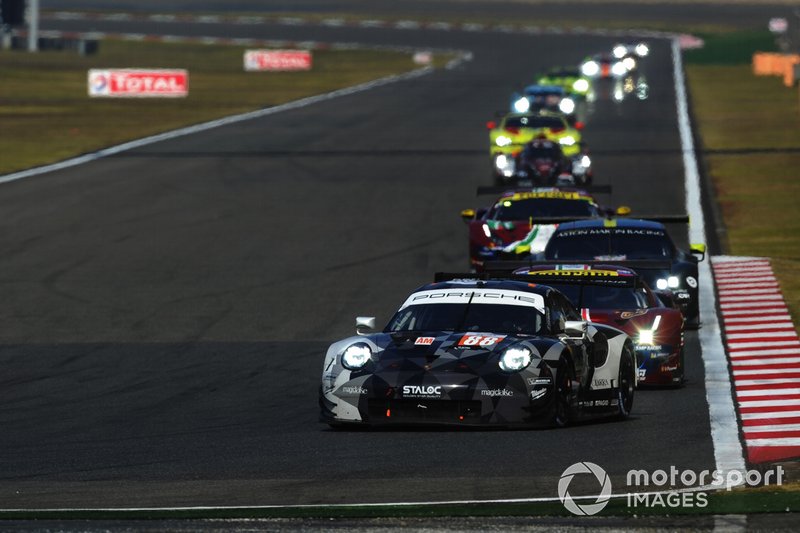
[[422, 391]]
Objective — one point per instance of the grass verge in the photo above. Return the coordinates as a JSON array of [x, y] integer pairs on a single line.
[[47, 115], [751, 139]]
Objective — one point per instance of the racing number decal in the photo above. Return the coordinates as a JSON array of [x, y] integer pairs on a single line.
[[480, 340]]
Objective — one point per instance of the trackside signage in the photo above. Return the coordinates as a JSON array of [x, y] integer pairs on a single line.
[[127, 83], [277, 60]]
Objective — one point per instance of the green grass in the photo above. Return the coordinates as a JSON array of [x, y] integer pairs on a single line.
[[730, 48], [47, 116], [757, 188]]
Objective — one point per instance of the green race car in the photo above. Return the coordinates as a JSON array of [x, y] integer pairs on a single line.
[[515, 130], [571, 79]]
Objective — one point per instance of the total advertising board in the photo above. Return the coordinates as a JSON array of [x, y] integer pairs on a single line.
[[127, 83], [277, 60]]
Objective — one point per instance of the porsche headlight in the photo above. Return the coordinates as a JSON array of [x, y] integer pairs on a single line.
[[581, 85], [522, 105], [619, 51], [642, 49], [356, 356], [502, 140], [567, 140], [619, 69], [566, 105], [590, 68], [586, 162], [661, 284], [515, 359]]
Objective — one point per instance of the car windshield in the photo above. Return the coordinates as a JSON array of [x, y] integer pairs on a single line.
[[495, 318], [534, 122], [508, 210], [609, 243]]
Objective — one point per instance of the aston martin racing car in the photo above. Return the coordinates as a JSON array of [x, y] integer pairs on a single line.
[[570, 78], [466, 352], [628, 242], [513, 218], [543, 98], [619, 297]]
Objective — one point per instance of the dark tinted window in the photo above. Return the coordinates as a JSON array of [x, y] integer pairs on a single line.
[[542, 207], [534, 122], [487, 318]]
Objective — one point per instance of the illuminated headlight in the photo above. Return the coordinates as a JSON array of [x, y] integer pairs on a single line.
[[568, 140], [505, 165], [566, 105], [642, 49], [673, 282], [580, 86], [619, 69], [522, 105], [661, 284], [646, 336], [586, 162], [619, 51], [515, 359], [590, 68], [502, 140], [486, 231], [629, 63], [356, 356]]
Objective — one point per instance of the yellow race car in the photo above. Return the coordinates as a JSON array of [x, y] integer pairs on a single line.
[[514, 131]]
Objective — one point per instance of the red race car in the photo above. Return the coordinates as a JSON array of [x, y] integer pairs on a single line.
[[619, 297], [522, 219]]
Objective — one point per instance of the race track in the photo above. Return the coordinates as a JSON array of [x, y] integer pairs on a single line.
[[166, 310]]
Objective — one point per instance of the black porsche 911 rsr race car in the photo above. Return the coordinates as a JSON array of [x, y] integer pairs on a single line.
[[466, 352]]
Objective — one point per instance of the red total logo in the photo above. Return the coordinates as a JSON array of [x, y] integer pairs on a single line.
[[277, 60], [139, 82]]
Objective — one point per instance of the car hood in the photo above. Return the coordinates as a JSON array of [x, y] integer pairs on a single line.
[[446, 351]]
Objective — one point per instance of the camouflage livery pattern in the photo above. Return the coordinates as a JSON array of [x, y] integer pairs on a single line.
[[454, 378]]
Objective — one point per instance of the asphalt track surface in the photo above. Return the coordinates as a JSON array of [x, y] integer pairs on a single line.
[[166, 310]]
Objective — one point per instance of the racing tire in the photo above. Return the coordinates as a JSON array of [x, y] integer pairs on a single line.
[[626, 384], [682, 367], [565, 399]]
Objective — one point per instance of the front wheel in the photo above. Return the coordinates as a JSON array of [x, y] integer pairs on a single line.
[[564, 397], [627, 383]]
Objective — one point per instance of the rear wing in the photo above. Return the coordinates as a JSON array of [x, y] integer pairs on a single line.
[[501, 268], [600, 189], [544, 279]]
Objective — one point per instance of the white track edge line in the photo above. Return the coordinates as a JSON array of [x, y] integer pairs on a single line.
[[138, 143], [724, 425]]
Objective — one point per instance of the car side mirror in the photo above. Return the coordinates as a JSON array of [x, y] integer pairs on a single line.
[[575, 328], [491, 125], [364, 324], [468, 215], [698, 250]]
